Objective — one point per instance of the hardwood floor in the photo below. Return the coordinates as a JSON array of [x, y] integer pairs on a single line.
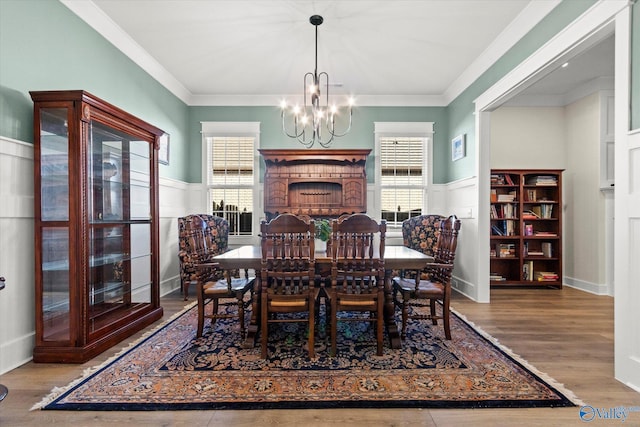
[[567, 334]]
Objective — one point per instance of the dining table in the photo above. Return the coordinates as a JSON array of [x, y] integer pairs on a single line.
[[395, 258]]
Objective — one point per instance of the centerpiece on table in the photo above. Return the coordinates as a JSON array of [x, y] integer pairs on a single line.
[[323, 234]]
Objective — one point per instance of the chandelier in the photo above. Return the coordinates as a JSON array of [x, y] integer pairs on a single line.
[[315, 116]]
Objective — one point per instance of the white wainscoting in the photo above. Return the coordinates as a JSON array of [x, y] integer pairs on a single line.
[[17, 300], [460, 198], [175, 202]]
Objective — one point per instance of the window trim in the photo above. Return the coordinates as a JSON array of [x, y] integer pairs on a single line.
[[404, 129], [234, 129]]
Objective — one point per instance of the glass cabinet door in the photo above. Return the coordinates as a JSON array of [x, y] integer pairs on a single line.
[[120, 224], [97, 275], [54, 214]]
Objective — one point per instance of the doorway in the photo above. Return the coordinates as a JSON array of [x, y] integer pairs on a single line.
[[565, 121], [539, 66]]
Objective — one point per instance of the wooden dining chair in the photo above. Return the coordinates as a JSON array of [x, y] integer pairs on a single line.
[[201, 237], [422, 290], [288, 275], [357, 274], [218, 242]]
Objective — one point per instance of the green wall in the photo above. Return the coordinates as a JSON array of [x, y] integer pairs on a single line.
[[461, 110], [360, 136], [44, 46]]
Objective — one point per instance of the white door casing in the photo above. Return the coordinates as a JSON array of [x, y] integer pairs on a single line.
[[627, 217]]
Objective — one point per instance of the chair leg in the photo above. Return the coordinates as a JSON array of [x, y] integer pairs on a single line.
[[214, 311], [432, 305], [264, 326], [445, 319], [201, 302], [241, 314], [312, 319], [380, 326], [405, 314], [334, 325]]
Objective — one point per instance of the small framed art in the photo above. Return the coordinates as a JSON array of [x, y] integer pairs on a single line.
[[458, 149], [163, 152]]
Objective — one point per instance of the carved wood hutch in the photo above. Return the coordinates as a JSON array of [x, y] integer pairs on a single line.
[[318, 183], [96, 225]]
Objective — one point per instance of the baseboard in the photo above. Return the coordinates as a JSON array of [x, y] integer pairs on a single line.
[[169, 285], [593, 288], [17, 348], [463, 287]]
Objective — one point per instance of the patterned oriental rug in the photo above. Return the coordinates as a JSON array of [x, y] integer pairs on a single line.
[[169, 369]]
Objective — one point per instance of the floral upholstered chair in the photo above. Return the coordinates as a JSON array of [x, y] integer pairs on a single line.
[[217, 243], [434, 284], [201, 238], [421, 232]]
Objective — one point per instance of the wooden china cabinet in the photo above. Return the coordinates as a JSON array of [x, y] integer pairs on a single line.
[[96, 225]]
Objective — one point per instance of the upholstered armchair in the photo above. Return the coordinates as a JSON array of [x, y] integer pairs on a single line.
[[421, 232], [217, 243], [413, 291]]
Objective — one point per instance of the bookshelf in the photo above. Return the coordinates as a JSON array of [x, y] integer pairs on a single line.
[[526, 228]]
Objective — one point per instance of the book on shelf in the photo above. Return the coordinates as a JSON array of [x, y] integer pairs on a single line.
[[531, 195], [497, 179], [509, 197], [496, 230], [547, 276], [528, 229], [506, 227], [507, 211], [534, 253], [527, 270], [545, 234], [495, 277], [507, 178], [547, 249], [542, 180], [529, 214], [543, 210], [506, 250]]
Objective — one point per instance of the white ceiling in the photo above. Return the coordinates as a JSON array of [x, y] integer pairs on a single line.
[[255, 52]]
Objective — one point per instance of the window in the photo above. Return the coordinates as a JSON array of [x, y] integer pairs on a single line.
[[402, 165], [230, 175]]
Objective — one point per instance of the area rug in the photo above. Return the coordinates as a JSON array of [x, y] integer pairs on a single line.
[[171, 369]]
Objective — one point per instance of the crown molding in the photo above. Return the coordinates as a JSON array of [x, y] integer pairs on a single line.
[[530, 16], [99, 21], [90, 13]]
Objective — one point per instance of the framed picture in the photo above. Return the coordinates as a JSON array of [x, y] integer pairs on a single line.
[[163, 152], [458, 150]]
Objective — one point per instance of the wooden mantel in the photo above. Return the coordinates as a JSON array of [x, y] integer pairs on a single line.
[[318, 183]]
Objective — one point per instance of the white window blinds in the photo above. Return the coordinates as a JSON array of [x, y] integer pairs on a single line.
[[402, 177]]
